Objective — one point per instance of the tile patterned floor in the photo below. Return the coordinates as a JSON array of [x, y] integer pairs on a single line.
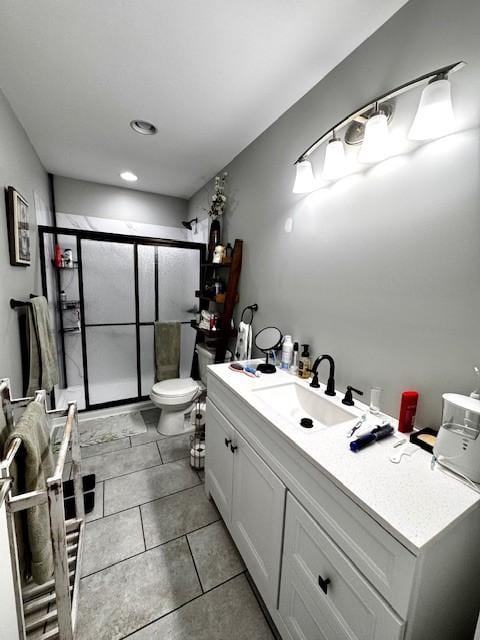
[[158, 561]]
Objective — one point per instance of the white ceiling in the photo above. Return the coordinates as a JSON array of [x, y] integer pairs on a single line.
[[210, 74]]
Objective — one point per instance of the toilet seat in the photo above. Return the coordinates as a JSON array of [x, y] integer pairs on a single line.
[[175, 391]]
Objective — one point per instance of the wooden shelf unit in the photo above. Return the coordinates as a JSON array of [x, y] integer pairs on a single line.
[[228, 299]]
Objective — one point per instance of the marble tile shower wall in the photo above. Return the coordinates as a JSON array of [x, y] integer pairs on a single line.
[[158, 561]]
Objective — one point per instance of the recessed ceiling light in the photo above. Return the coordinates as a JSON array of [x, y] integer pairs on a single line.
[[128, 176], [143, 127]]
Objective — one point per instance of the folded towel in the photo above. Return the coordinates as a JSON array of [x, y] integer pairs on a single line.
[[43, 372], [32, 466], [3, 430], [167, 350]]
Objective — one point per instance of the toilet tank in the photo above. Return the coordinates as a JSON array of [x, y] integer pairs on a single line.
[[206, 356]]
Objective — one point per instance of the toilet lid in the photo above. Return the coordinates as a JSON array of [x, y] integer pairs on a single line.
[[175, 387]]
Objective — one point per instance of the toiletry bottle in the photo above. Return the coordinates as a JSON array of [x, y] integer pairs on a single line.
[[57, 256], [304, 363], [287, 350], [294, 366], [63, 300], [408, 409]]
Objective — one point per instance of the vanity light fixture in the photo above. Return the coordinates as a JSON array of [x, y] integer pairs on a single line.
[[334, 165], [304, 180], [434, 118], [376, 138], [128, 176]]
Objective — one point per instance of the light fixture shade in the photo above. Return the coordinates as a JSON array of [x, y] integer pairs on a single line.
[[304, 179], [376, 140], [128, 176], [334, 165], [434, 117]]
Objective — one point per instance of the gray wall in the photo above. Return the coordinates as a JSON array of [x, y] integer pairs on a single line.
[[20, 168], [381, 270], [105, 201]]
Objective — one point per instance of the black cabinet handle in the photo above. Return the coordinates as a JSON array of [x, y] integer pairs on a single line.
[[323, 584], [227, 442], [233, 448]]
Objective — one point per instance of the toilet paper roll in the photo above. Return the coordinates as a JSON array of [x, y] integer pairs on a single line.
[[197, 456], [202, 412]]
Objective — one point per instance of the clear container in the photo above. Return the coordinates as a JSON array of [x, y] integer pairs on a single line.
[[461, 414], [375, 397]]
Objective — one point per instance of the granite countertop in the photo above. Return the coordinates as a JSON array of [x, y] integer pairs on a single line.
[[412, 501]]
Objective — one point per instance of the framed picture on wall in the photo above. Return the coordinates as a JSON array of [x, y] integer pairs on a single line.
[[18, 228]]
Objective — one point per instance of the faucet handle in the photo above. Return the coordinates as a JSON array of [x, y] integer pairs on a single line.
[[314, 383], [348, 399]]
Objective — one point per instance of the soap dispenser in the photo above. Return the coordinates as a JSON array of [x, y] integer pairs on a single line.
[[304, 363]]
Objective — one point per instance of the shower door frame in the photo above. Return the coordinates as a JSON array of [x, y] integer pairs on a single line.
[[100, 236]]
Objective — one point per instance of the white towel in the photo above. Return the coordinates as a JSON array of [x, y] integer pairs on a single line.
[[243, 348]]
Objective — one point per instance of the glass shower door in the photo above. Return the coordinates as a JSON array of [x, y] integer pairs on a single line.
[[168, 277], [108, 283]]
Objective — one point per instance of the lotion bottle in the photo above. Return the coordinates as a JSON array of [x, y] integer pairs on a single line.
[[287, 350]]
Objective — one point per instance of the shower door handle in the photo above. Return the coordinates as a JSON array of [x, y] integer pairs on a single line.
[[227, 442]]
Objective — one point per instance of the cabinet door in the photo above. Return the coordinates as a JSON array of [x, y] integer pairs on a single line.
[[257, 518], [219, 460], [320, 586]]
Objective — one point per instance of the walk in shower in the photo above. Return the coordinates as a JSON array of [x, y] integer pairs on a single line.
[[113, 292]]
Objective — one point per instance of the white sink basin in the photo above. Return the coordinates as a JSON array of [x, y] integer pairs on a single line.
[[294, 402]]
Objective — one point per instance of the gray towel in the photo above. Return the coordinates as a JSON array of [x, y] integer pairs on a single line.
[[167, 350], [32, 466], [3, 430], [43, 372]]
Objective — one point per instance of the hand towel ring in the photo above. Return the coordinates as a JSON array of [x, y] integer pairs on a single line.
[[252, 308]]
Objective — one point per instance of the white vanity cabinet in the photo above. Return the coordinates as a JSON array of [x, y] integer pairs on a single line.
[[331, 563], [250, 498]]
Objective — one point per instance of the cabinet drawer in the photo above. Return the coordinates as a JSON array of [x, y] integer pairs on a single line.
[[321, 585]]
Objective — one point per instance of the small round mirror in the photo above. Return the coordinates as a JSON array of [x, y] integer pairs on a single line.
[[266, 340]]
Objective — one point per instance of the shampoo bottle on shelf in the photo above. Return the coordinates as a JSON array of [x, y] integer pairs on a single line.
[[287, 350], [304, 363]]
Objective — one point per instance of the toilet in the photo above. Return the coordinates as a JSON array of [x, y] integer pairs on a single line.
[[176, 397]]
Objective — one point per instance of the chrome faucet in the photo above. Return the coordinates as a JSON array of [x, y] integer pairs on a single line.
[[330, 390]]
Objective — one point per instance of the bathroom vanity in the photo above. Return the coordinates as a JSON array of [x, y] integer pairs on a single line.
[[340, 545]]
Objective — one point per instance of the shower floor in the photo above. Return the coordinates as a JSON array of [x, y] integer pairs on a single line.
[[158, 561], [102, 392]]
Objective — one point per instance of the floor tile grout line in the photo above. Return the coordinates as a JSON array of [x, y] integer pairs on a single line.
[[143, 469], [155, 499], [187, 533], [201, 595], [117, 452], [159, 451], [162, 544], [103, 499], [122, 475], [143, 530], [194, 563]]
